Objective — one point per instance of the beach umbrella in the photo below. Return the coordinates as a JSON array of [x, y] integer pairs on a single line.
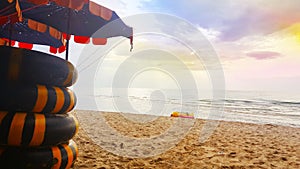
[[81, 18]]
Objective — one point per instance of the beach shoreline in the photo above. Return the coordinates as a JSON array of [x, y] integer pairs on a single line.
[[231, 145]]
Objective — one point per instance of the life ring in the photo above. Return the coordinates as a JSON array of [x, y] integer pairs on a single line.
[[34, 129], [37, 99], [55, 157], [32, 67]]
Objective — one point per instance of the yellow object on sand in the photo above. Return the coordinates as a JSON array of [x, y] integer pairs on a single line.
[[182, 114], [175, 114]]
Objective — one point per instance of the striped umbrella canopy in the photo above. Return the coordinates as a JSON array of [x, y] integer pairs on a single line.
[[31, 32], [52, 21]]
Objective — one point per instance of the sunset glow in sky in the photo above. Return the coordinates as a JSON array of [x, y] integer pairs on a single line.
[[258, 41]]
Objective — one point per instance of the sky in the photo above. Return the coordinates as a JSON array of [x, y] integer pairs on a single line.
[[257, 42]]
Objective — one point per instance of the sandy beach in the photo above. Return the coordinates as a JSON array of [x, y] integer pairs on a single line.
[[232, 144]]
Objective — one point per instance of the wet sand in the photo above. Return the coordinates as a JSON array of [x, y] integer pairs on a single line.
[[232, 144]]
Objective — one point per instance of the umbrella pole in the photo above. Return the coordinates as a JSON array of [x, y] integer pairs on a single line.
[[68, 35], [67, 49]]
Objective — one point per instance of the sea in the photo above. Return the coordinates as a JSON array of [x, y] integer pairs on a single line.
[[260, 107]]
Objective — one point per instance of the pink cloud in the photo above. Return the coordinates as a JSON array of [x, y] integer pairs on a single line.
[[260, 55]]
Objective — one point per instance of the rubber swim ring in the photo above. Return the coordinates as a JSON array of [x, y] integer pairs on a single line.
[[55, 157], [23, 66], [34, 129], [37, 99]]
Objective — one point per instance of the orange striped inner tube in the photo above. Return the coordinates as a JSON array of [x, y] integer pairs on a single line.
[[55, 157], [23, 66], [34, 129], [37, 99]]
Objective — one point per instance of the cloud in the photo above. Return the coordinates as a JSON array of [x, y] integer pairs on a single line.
[[210, 34], [261, 55], [285, 42], [233, 19], [261, 21]]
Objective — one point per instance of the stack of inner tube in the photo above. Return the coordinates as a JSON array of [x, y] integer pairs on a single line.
[[36, 129]]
